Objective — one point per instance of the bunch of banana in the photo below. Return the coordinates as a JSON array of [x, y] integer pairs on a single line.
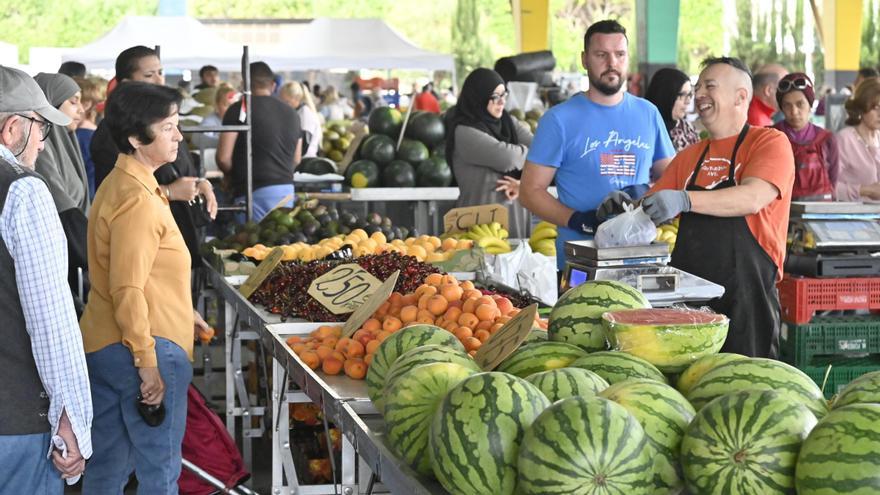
[[543, 239], [668, 232], [491, 237]]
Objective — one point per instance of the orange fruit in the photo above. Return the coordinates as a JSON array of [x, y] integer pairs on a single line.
[[425, 289], [434, 279], [372, 346], [451, 292], [504, 305], [423, 301], [488, 300], [354, 349], [409, 300], [469, 320], [483, 335], [496, 327], [355, 368], [298, 348], [395, 298], [342, 344], [486, 312], [425, 316], [372, 324], [462, 333], [383, 309], [391, 324], [471, 293], [294, 339], [484, 325], [450, 326], [381, 336], [467, 285], [408, 314], [331, 366], [326, 331], [368, 359], [323, 351], [437, 305], [472, 343], [452, 313], [311, 359], [469, 305], [450, 279]]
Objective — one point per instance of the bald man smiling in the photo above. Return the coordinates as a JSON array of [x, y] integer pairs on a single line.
[[733, 192]]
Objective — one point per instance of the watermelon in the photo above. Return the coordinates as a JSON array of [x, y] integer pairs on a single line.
[[410, 404], [535, 336], [584, 445], [433, 172], [616, 366], [669, 338], [700, 367], [387, 121], [394, 346], [412, 151], [362, 173], [378, 148], [842, 453], [317, 166], [577, 316], [759, 374], [427, 354], [664, 414], [541, 356], [863, 390], [399, 173], [426, 127], [477, 430], [568, 382], [745, 442]]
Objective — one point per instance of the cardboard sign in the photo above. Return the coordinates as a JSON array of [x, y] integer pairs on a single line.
[[507, 339], [344, 288], [255, 280], [460, 219], [366, 310]]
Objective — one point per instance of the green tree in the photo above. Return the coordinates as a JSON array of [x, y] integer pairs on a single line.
[[698, 33], [870, 56], [467, 44]]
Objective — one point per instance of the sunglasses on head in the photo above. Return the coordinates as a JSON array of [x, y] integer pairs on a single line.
[[799, 83]]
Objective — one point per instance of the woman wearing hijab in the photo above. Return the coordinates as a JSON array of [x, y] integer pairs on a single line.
[[485, 144], [671, 92], [61, 164]]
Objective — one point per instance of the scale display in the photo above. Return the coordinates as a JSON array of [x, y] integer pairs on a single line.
[[845, 233]]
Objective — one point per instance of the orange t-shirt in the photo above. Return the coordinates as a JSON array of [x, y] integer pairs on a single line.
[[766, 154]]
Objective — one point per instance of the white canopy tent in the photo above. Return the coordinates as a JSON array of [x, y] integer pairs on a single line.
[[8, 54], [185, 44]]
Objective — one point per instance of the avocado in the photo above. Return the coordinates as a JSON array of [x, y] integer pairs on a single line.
[[374, 218], [334, 213], [386, 222]]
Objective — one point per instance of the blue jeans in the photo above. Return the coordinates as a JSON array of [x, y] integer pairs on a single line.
[[24, 467], [265, 198], [122, 441]]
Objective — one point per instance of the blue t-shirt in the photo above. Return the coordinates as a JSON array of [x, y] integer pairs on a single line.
[[597, 149]]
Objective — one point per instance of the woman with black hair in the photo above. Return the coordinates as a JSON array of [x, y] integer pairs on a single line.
[[671, 92], [485, 146]]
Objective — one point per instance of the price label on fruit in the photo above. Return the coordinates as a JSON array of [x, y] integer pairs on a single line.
[[344, 288], [363, 313], [507, 339], [255, 280]]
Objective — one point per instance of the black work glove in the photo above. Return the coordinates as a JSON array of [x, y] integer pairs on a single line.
[[612, 205], [584, 222]]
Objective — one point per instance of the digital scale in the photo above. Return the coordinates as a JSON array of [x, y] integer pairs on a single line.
[[643, 267], [828, 239]]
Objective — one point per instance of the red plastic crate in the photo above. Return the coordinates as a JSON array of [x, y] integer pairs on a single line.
[[800, 297]]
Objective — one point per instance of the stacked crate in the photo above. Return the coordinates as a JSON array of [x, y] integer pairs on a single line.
[[832, 350]]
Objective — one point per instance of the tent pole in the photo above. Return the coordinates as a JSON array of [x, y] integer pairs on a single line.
[[246, 86]]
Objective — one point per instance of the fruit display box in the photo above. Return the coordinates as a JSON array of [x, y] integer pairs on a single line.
[[830, 336], [843, 371], [800, 297]]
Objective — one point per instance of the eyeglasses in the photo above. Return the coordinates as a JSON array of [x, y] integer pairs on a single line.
[[45, 126], [494, 98], [686, 95], [799, 83]]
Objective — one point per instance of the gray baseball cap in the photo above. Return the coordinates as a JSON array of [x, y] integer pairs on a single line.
[[20, 93]]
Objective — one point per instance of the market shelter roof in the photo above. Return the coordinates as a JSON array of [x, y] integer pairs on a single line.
[[185, 44], [352, 44]]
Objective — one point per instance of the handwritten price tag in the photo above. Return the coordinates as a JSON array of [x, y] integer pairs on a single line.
[[259, 275], [460, 219], [344, 288], [507, 339], [363, 313]]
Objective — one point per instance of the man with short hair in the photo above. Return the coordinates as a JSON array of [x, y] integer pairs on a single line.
[[600, 145], [72, 69], [45, 402], [733, 192], [763, 105], [210, 77], [277, 145]]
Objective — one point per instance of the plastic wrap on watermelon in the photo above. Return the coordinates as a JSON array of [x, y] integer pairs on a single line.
[[669, 338]]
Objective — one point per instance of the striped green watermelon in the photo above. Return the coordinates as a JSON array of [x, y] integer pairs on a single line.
[[427, 354], [863, 390], [540, 356], [477, 430], [395, 345], [568, 382], [669, 338], [745, 442], [759, 374], [842, 453], [616, 366], [585, 446], [535, 336], [694, 372], [410, 404], [577, 316], [664, 414]]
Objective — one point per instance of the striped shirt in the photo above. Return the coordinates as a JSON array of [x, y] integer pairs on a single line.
[[31, 230]]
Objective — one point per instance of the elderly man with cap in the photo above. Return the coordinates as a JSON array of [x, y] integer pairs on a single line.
[[733, 192], [45, 402]]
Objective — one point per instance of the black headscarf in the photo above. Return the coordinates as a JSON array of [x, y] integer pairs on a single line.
[[663, 91], [471, 110]]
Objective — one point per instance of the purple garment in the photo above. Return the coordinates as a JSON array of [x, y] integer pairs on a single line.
[[807, 135], [859, 165]]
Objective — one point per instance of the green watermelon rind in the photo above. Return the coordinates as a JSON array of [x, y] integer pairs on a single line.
[[563, 383], [863, 390], [616, 366], [540, 356], [426, 354], [690, 376]]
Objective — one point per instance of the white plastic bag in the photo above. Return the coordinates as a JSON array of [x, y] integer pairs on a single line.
[[526, 271], [630, 228]]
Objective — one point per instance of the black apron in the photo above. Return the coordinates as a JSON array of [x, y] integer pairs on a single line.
[[723, 250]]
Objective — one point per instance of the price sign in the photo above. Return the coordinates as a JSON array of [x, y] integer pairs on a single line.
[[255, 280], [344, 288], [460, 219], [369, 307], [507, 339]]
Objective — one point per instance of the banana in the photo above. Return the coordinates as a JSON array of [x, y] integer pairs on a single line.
[[481, 231], [543, 233], [498, 249], [503, 233], [488, 242], [494, 228], [544, 244]]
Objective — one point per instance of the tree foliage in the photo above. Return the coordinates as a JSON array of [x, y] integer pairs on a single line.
[[467, 44]]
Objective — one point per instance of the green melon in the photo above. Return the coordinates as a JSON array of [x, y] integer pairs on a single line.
[[412, 151], [540, 356], [427, 354], [398, 173], [410, 404], [863, 390], [477, 430], [426, 127], [385, 120], [616, 366], [535, 336], [584, 446], [669, 338], [700, 367], [433, 172], [317, 166], [664, 414], [378, 148], [394, 346], [842, 454], [362, 173], [759, 374], [577, 316], [568, 382], [745, 442]]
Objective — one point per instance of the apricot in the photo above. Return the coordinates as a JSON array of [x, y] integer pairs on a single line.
[[469, 320], [451, 292], [355, 368], [469, 305], [462, 333], [483, 335], [485, 312], [467, 285], [472, 343], [391, 324], [323, 351], [452, 313], [437, 305], [372, 324], [434, 279], [331, 366], [311, 359], [409, 314], [372, 346]]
